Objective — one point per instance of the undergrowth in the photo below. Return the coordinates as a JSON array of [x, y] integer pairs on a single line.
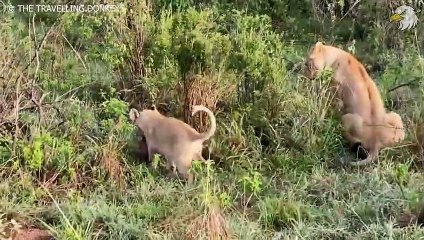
[[68, 151]]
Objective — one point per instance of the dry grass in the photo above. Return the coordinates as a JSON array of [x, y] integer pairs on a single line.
[[336, 200], [212, 223], [134, 41], [109, 161], [205, 90], [408, 218], [194, 225], [418, 139], [18, 75]]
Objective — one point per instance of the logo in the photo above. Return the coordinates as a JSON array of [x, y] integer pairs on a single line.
[[406, 17]]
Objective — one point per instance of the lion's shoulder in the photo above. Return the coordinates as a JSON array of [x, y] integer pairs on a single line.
[[350, 63]]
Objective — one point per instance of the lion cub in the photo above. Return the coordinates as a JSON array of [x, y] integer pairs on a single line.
[[177, 141], [365, 120]]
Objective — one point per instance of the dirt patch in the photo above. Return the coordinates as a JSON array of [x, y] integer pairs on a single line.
[[33, 234]]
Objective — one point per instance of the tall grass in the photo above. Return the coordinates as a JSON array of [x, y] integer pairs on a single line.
[[67, 158]]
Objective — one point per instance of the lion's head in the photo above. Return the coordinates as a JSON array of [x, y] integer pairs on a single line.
[[315, 61]]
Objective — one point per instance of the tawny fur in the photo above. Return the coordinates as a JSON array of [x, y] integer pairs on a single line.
[[364, 117], [177, 141]]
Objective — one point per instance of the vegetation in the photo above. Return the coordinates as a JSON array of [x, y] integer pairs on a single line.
[[70, 159]]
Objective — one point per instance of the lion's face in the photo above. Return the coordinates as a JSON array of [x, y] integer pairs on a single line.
[[315, 61], [395, 132], [144, 118]]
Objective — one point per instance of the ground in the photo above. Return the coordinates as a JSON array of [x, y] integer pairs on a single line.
[[73, 165]]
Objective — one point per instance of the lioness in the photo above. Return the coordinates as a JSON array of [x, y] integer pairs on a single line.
[[365, 121], [173, 138]]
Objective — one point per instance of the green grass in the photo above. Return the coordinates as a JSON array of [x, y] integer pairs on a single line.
[[70, 165]]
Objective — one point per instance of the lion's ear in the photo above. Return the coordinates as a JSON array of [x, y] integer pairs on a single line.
[[153, 107], [319, 45]]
